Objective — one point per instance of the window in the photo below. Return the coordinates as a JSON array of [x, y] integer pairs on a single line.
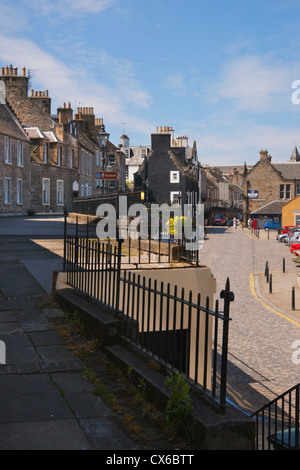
[[111, 159], [285, 191], [45, 153], [20, 158], [7, 150], [46, 191], [7, 190], [297, 188], [143, 153], [82, 190], [59, 156], [71, 157], [60, 192], [174, 176], [175, 197], [112, 184], [97, 158], [19, 191]]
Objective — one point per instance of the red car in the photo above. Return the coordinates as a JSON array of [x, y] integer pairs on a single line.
[[294, 246], [287, 228], [219, 219]]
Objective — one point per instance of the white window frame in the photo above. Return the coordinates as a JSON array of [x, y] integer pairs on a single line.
[[60, 192], [7, 151], [19, 191], [174, 195], [174, 177], [45, 152], [7, 190], [20, 154], [59, 153], [46, 191]]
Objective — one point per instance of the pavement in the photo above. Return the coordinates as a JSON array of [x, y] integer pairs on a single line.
[[46, 403], [45, 400]]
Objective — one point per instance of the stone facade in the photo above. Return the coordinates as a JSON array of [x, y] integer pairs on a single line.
[[267, 182], [14, 165], [62, 152]]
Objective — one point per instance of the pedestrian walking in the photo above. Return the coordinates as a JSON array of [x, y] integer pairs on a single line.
[[234, 222]]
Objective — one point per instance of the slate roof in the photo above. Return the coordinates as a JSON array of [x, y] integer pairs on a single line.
[[9, 124], [289, 170], [274, 207], [35, 133]]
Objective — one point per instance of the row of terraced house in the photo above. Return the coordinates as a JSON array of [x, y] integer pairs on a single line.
[[47, 160]]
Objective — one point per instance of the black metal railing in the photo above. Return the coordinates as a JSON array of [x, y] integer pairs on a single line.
[[277, 423], [172, 327], [146, 248]]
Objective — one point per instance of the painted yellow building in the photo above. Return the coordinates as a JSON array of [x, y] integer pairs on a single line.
[[291, 212]]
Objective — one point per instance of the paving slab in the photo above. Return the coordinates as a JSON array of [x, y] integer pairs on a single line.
[[62, 434]]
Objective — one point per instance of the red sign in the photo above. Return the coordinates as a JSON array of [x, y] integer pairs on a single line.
[[107, 175]]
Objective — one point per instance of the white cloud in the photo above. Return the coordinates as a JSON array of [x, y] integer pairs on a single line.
[[175, 83], [69, 84], [69, 8], [255, 83]]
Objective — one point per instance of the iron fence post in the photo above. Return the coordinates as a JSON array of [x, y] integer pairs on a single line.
[[118, 282], [65, 238], [228, 297]]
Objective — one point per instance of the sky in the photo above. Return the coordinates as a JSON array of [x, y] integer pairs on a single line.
[[224, 73]]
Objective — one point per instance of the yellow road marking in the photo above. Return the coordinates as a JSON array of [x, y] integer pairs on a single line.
[[268, 306]]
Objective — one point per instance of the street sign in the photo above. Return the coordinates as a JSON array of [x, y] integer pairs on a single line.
[[252, 194], [107, 175]]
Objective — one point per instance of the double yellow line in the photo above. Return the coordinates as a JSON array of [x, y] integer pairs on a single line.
[[252, 288]]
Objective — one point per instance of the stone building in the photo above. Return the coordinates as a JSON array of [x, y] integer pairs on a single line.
[[269, 181], [171, 172], [135, 155], [14, 164], [65, 150]]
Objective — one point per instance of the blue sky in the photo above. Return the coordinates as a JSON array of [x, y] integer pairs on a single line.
[[220, 72]]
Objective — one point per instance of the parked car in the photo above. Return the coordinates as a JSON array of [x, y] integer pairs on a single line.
[[294, 237], [219, 219], [271, 224], [287, 231], [296, 256], [294, 246], [288, 228]]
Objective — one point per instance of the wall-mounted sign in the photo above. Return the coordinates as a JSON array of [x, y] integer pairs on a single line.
[[107, 175], [252, 194]]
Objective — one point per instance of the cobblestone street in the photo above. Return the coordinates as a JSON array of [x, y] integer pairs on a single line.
[[263, 326]]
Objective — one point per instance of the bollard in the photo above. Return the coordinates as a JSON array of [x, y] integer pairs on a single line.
[[293, 298], [268, 271], [283, 265], [270, 284], [266, 268], [268, 233]]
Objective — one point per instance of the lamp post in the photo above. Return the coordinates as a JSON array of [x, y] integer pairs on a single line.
[[102, 137]]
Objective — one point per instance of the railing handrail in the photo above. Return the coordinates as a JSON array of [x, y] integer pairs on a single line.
[[276, 399], [220, 314]]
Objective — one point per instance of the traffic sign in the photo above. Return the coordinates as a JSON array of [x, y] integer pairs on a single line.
[[107, 175]]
